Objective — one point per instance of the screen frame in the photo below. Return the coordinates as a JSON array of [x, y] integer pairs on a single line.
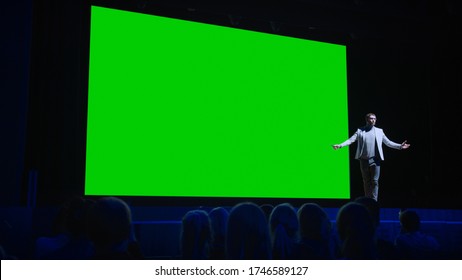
[[302, 32]]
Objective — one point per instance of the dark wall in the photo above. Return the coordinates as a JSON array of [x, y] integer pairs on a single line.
[[404, 64], [56, 119], [15, 43]]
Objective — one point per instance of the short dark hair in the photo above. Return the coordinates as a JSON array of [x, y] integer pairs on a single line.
[[410, 220], [368, 115]]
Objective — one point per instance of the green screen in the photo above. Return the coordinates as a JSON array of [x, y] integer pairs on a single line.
[[186, 109]]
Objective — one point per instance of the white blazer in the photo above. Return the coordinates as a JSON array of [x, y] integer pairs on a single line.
[[380, 138]]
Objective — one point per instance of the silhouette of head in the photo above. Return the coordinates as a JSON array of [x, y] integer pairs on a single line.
[[356, 231], [219, 222], [409, 220], [314, 222], [109, 222], [373, 206], [284, 214], [195, 235], [248, 234]]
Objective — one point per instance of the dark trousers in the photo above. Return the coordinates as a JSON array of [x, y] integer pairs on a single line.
[[370, 171]]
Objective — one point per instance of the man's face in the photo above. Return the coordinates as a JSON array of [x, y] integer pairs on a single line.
[[371, 120]]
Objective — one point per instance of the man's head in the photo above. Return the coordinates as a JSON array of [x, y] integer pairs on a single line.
[[371, 119], [409, 220]]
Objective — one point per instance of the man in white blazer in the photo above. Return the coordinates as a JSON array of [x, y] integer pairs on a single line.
[[369, 153]]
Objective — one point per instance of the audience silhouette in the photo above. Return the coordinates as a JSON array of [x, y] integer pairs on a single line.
[[103, 229], [284, 231], [248, 235], [219, 222], [316, 240], [356, 232], [412, 243], [111, 231], [385, 248], [196, 235], [69, 240]]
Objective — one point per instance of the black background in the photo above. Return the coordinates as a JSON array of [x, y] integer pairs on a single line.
[[404, 64]]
